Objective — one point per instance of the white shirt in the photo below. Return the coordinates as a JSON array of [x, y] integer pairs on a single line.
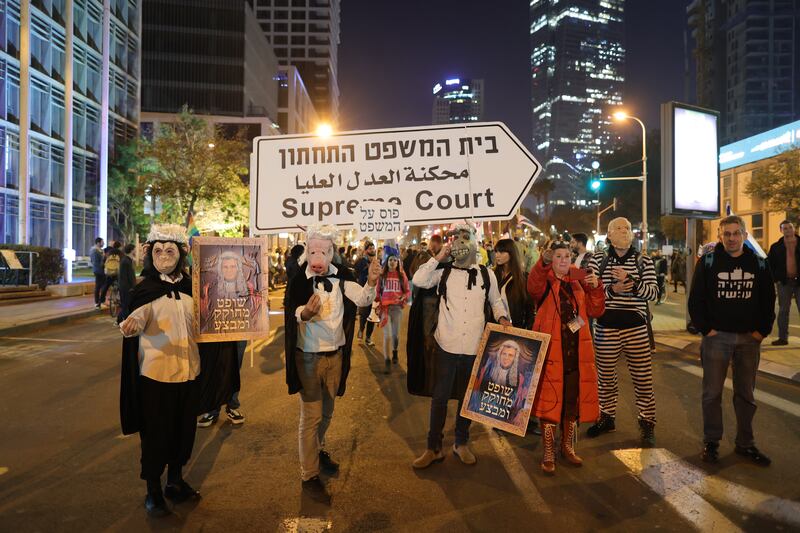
[[461, 319], [167, 348], [324, 332], [578, 259]]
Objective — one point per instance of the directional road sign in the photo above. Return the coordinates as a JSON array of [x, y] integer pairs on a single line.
[[436, 173]]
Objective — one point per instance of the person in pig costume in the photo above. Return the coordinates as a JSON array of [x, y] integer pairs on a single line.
[[320, 309]]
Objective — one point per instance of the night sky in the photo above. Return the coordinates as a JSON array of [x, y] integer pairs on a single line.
[[392, 53]]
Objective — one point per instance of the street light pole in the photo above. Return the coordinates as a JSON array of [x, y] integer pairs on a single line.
[[622, 116]]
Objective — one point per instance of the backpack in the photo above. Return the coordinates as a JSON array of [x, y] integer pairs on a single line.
[[111, 267], [708, 261]]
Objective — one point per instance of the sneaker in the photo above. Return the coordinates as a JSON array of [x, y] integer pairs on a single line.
[[206, 420], [234, 415], [394, 357], [604, 425], [647, 429], [780, 342], [97, 306], [360, 334], [711, 452], [369, 342], [328, 465], [426, 459], [752, 453], [316, 490]]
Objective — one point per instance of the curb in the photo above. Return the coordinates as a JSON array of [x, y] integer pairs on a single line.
[[766, 367], [39, 324]]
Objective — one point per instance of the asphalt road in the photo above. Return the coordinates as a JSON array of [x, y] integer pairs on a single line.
[[64, 466]]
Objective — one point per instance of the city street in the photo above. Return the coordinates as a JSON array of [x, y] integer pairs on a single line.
[[64, 466]]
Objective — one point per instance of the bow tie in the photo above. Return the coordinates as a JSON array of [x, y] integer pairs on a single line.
[[473, 275], [326, 282]]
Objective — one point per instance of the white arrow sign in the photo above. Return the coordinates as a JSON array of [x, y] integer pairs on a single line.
[[436, 173]]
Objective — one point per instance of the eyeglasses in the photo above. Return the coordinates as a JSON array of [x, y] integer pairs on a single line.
[[729, 234]]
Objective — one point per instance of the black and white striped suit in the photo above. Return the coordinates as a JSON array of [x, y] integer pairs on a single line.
[[623, 329]]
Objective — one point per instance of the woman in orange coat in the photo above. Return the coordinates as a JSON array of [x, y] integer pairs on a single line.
[[566, 297]]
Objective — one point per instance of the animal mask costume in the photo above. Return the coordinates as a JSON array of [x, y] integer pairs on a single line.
[[167, 247], [619, 231], [320, 246], [463, 245]]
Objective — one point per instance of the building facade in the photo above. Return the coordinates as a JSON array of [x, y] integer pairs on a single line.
[[212, 58], [456, 101], [577, 78], [747, 56], [69, 94], [296, 112], [305, 35], [737, 162]]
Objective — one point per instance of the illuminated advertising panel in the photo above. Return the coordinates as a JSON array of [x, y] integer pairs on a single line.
[[690, 161]]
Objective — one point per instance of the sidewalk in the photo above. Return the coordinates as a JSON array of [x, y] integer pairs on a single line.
[[16, 319], [669, 326]]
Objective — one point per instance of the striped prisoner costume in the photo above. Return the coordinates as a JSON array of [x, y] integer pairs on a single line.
[[623, 329]]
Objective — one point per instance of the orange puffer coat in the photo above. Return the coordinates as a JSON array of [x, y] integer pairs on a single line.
[[591, 304]]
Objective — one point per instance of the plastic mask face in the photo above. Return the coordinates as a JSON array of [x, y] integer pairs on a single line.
[[165, 257]]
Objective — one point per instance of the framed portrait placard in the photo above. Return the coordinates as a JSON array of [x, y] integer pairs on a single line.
[[505, 377], [229, 283]]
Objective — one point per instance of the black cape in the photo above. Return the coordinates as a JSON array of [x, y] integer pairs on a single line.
[[298, 291], [219, 375]]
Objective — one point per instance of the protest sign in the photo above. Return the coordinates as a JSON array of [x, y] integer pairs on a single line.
[[229, 283], [379, 220], [505, 377]]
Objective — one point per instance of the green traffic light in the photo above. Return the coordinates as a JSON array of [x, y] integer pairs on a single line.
[[595, 185]]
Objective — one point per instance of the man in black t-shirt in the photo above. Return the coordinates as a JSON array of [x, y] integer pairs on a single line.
[[732, 303]]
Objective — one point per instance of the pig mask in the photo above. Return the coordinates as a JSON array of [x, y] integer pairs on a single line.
[[319, 249], [620, 234]]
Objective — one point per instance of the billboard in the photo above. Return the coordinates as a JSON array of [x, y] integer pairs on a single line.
[[689, 161]]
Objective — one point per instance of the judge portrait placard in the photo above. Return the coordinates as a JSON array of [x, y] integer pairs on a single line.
[[229, 279], [505, 377]]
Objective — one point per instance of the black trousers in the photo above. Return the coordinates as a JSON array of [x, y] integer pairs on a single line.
[[99, 283], [169, 423]]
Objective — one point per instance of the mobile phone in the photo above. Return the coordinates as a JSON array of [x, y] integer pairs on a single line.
[[578, 274]]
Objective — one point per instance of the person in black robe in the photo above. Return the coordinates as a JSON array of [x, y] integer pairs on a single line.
[[162, 388]]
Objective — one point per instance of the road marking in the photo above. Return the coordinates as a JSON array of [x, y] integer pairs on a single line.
[[46, 340], [304, 524], [687, 488], [764, 397], [3, 470], [530, 494]]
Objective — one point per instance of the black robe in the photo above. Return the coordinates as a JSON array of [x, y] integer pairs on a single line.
[[219, 365], [298, 292]]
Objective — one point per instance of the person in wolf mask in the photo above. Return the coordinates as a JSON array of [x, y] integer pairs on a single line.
[[461, 317]]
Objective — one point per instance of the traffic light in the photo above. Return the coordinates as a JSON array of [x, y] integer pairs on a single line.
[[595, 184]]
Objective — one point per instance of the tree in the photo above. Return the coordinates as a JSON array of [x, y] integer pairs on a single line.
[[541, 189], [674, 228], [187, 162], [778, 183], [126, 193]]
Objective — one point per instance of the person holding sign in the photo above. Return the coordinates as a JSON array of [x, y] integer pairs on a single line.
[[567, 298], [393, 293], [461, 319], [320, 311]]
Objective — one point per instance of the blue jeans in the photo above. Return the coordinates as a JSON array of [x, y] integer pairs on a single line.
[[452, 370], [717, 353], [786, 293], [233, 403]]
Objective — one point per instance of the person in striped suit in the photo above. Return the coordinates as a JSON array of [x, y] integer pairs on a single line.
[[630, 282]]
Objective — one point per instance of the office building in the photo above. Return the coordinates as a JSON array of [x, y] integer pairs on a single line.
[[296, 113], [69, 93], [747, 56], [577, 78], [212, 58], [305, 35], [457, 100]]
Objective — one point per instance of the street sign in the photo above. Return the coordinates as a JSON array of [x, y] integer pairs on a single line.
[[436, 173]]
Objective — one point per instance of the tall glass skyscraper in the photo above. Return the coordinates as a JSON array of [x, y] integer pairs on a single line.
[[69, 93], [577, 77], [457, 100]]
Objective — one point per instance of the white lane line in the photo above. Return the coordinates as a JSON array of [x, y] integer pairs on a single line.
[[668, 483], [530, 494], [47, 340], [665, 472], [3, 470], [764, 397]]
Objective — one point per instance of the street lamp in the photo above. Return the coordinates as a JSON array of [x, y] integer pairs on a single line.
[[324, 130], [620, 116]]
